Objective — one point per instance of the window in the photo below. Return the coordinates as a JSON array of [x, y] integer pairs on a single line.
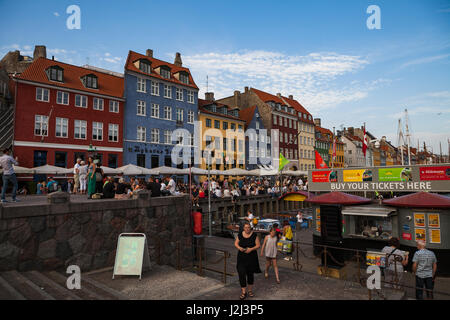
[[144, 66], [295, 154], [240, 127], [225, 144], [217, 124], [90, 81], [42, 94], [165, 73], [62, 125], [190, 118], [98, 104], [275, 119], [225, 125], [208, 142], [62, 98], [167, 136], [141, 134], [217, 143], [141, 108], [112, 160], [97, 131], [168, 113], [241, 146], [80, 101], [184, 78], [113, 132], [155, 110], [208, 123], [140, 160], [281, 137], [257, 125], [179, 93], [167, 91], [286, 137], [190, 96], [290, 123], [179, 114], [155, 135], [55, 73], [80, 129], [113, 106], [141, 87], [285, 122], [60, 159], [40, 125], [155, 88], [233, 126]]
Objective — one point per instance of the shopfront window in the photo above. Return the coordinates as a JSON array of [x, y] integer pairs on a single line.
[[373, 227]]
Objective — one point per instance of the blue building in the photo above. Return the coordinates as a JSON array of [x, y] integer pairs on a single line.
[[258, 147], [161, 97]]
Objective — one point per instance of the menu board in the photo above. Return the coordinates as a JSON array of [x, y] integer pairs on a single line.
[[131, 255], [419, 219], [435, 235]]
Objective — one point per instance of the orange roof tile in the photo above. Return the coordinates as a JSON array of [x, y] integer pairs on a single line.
[[203, 103], [155, 63], [297, 106], [247, 115], [107, 84]]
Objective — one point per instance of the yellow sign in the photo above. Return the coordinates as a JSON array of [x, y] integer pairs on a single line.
[[419, 219], [435, 235], [421, 234], [353, 175], [433, 220]]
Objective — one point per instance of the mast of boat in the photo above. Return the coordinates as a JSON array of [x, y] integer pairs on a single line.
[[408, 137]]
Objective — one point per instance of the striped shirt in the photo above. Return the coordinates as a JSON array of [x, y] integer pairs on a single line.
[[425, 260]]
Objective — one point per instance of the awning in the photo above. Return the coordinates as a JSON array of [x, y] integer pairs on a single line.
[[368, 211]]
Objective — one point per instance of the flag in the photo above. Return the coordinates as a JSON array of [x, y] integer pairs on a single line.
[[320, 164], [364, 148], [334, 148], [283, 162]]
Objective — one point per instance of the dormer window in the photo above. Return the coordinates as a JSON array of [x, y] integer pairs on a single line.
[[165, 72], [184, 77], [145, 66], [90, 81], [55, 73], [213, 108]]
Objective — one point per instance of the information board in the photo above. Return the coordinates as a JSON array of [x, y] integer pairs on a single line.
[[131, 255]]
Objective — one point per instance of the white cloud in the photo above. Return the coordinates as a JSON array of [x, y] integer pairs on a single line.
[[56, 14], [310, 78], [114, 60], [107, 54], [425, 60]]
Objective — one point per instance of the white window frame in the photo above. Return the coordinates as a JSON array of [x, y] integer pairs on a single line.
[[114, 128], [167, 113], [179, 94], [141, 105], [141, 134], [190, 116], [41, 124], [114, 106], [155, 111], [61, 123], [41, 93], [62, 95], [154, 88], [82, 99], [83, 129], [190, 96], [100, 102], [141, 85], [180, 112], [167, 136], [96, 129], [154, 133], [275, 118], [168, 91]]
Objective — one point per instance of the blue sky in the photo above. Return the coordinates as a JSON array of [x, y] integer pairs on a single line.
[[320, 51]]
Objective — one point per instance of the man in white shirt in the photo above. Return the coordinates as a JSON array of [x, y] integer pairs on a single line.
[[6, 162], [76, 175], [218, 193], [300, 182], [171, 186]]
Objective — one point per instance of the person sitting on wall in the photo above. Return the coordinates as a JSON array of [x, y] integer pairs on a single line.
[[122, 190], [108, 188]]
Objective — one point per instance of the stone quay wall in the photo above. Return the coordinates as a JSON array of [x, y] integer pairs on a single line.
[[62, 233]]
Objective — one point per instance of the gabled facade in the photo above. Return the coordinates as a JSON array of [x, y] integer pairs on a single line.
[[62, 111], [161, 97]]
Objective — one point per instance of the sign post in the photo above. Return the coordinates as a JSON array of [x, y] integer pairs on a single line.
[[131, 255]]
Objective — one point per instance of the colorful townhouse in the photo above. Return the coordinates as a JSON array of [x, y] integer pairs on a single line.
[[222, 134], [64, 112], [258, 147], [161, 97]]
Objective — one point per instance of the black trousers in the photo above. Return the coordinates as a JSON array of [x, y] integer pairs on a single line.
[[245, 277], [429, 285]]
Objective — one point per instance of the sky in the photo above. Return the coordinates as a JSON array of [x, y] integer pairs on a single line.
[[321, 52]]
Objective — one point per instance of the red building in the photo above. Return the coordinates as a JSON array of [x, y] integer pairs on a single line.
[[62, 110]]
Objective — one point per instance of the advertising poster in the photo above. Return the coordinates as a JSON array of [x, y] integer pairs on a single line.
[[419, 219], [324, 176], [435, 173], [318, 225], [433, 220], [318, 213], [435, 235], [420, 234], [357, 175], [394, 174]]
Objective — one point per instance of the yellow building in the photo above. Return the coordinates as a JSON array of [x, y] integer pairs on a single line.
[[339, 159], [222, 133]]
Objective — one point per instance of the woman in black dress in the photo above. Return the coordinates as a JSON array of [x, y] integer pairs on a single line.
[[247, 243]]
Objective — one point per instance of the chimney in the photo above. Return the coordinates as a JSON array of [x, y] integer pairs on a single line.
[[53, 58], [237, 98], [209, 96], [279, 95], [351, 130], [178, 61], [149, 53], [39, 52], [292, 98], [246, 89], [317, 122]]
